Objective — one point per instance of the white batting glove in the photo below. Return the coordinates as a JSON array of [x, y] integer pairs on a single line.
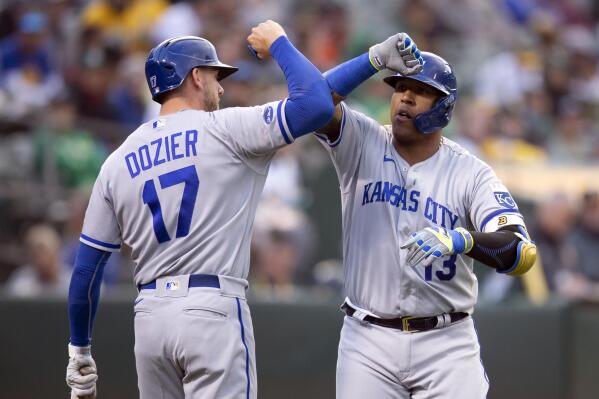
[[434, 243], [398, 53], [81, 372]]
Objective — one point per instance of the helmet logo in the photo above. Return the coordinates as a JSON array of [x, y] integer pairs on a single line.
[[153, 81]]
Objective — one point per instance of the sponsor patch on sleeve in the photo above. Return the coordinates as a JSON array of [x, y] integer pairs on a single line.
[[267, 115], [504, 199]]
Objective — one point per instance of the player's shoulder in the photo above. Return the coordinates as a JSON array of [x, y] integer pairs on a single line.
[[374, 132], [350, 112], [458, 153], [111, 163], [267, 110]]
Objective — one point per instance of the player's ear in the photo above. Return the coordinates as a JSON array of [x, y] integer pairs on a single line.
[[196, 78]]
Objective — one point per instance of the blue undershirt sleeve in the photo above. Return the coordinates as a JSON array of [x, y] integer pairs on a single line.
[[84, 292], [344, 78], [310, 105]]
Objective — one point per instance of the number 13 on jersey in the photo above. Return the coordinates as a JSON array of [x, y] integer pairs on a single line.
[[189, 177], [446, 274]]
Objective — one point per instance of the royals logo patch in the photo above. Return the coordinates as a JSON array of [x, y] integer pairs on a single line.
[[505, 199]]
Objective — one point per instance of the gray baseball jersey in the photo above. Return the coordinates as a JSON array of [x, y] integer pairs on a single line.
[[182, 191], [384, 200]]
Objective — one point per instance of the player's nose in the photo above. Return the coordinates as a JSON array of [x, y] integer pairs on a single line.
[[407, 96], [221, 91]]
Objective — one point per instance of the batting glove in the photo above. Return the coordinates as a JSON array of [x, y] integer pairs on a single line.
[[433, 243], [81, 371], [398, 53]]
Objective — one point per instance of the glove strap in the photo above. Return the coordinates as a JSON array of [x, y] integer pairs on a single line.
[[468, 240], [375, 60], [79, 350]]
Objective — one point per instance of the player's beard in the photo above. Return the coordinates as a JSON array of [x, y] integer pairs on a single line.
[[211, 104]]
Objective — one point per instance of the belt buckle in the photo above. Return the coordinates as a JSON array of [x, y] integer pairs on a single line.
[[405, 323]]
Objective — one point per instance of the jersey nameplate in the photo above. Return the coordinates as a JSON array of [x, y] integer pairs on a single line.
[[165, 149]]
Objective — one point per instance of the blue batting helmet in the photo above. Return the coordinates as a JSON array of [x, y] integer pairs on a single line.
[[437, 73], [169, 63]]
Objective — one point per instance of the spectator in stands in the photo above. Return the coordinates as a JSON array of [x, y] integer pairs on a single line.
[[95, 75], [508, 142], [127, 22], [181, 18], [553, 223], [65, 155], [538, 117], [281, 241], [572, 142], [475, 122], [28, 78], [582, 280], [128, 92], [45, 273]]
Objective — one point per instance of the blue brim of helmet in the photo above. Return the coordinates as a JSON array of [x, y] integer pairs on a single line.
[[392, 81], [224, 70]]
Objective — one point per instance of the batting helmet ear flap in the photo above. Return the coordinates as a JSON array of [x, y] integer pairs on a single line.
[[437, 117]]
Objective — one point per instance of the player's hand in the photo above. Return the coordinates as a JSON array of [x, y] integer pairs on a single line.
[[263, 36], [81, 372], [432, 243], [398, 53]]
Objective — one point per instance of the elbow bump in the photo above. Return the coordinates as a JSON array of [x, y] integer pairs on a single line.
[[312, 110], [325, 106], [321, 100], [319, 112], [325, 113]]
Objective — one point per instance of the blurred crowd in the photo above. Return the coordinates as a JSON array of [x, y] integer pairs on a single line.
[[72, 87]]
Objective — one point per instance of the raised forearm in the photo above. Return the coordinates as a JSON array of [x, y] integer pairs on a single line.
[[309, 105], [504, 250]]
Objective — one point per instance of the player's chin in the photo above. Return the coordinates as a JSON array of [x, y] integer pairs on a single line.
[[404, 131]]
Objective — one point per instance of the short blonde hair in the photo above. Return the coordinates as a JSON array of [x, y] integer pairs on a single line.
[[42, 235]]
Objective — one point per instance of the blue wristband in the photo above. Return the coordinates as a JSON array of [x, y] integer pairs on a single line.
[[459, 243]]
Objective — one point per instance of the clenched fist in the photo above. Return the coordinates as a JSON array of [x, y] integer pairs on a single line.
[[263, 36]]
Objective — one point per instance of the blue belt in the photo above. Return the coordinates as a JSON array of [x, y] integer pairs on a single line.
[[195, 280]]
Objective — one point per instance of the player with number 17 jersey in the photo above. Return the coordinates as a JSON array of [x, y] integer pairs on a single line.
[[196, 175], [182, 192]]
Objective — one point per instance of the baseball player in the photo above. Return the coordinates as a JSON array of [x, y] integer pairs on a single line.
[[417, 209], [182, 192]]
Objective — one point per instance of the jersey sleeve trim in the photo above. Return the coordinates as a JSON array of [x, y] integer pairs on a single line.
[[287, 136], [335, 143], [498, 212], [104, 246]]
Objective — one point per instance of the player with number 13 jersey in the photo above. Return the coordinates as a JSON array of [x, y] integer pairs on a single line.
[[417, 210]]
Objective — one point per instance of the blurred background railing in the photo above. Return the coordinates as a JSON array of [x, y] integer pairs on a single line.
[[529, 352]]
